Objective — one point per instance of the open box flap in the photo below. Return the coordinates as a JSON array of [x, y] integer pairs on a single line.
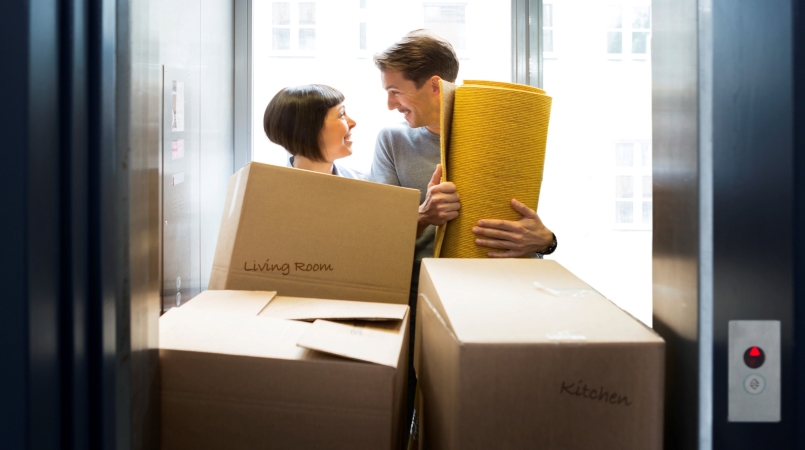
[[375, 342], [310, 309], [238, 302], [198, 330]]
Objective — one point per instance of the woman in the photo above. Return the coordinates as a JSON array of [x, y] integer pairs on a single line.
[[310, 122]]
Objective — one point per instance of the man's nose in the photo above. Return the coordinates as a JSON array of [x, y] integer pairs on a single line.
[[392, 103]]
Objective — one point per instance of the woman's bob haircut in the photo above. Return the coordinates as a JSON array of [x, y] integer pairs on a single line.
[[295, 117]]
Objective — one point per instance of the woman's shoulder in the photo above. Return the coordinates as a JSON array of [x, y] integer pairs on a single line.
[[347, 172]]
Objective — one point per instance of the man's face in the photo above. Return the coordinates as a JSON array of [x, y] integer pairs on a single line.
[[420, 107]]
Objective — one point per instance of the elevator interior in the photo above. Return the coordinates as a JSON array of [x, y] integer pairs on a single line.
[[96, 245]]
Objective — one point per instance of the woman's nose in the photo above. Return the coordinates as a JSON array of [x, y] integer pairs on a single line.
[[351, 122]]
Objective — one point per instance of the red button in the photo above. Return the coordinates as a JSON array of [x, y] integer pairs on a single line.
[[754, 357]]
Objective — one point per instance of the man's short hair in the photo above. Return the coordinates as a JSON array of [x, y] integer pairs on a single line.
[[420, 55], [295, 117]]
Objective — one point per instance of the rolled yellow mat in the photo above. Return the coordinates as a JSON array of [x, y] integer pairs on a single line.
[[493, 138]]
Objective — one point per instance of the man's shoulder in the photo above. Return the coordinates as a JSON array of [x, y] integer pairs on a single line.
[[397, 130]]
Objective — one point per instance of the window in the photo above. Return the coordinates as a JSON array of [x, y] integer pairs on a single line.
[[641, 24], [448, 21], [293, 27], [628, 30], [344, 36], [547, 28], [633, 185], [596, 190], [614, 29]]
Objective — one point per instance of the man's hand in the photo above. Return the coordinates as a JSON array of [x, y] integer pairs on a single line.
[[520, 238], [441, 203]]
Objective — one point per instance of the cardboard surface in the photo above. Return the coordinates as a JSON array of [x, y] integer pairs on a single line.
[[504, 363], [310, 309], [307, 234], [238, 380], [366, 341], [238, 302]]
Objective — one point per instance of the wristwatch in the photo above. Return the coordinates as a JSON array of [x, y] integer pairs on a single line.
[[551, 248]]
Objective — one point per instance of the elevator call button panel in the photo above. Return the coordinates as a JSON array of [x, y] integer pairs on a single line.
[[754, 371]]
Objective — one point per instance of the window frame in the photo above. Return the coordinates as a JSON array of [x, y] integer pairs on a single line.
[[636, 171], [627, 31], [295, 27]]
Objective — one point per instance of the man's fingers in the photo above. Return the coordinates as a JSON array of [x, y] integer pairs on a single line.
[[506, 254], [444, 216], [505, 225], [441, 197], [523, 209], [437, 176], [495, 243], [450, 206], [495, 234], [445, 188]]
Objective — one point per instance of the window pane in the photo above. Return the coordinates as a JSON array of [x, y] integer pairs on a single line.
[[647, 213], [641, 17], [547, 15], [614, 17], [362, 39], [363, 4], [614, 44], [448, 21], [624, 155], [646, 186], [282, 13], [307, 13], [307, 39], [639, 39], [624, 212], [282, 39], [645, 150], [547, 41], [624, 186]]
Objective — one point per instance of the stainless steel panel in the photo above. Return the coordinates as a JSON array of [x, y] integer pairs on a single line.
[[180, 154], [145, 249], [167, 33], [754, 390], [216, 129], [676, 241], [243, 83]]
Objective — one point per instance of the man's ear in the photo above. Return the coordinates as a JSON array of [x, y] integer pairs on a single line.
[[434, 81]]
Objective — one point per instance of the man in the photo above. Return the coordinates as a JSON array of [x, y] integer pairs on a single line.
[[409, 156]]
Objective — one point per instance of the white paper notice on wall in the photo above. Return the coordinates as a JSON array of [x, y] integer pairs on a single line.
[[177, 149], [178, 178], [177, 106]]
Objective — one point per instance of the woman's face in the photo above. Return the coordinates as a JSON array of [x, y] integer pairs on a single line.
[[336, 133]]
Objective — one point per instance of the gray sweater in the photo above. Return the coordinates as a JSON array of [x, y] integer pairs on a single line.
[[407, 157]]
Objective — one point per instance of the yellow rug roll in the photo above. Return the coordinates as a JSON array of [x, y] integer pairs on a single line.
[[493, 138]]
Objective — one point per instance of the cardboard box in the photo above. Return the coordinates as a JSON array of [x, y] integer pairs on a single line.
[[236, 376], [307, 234], [514, 354]]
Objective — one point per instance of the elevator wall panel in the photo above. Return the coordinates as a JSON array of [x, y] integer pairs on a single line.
[[676, 211], [753, 209], [195, 36]]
